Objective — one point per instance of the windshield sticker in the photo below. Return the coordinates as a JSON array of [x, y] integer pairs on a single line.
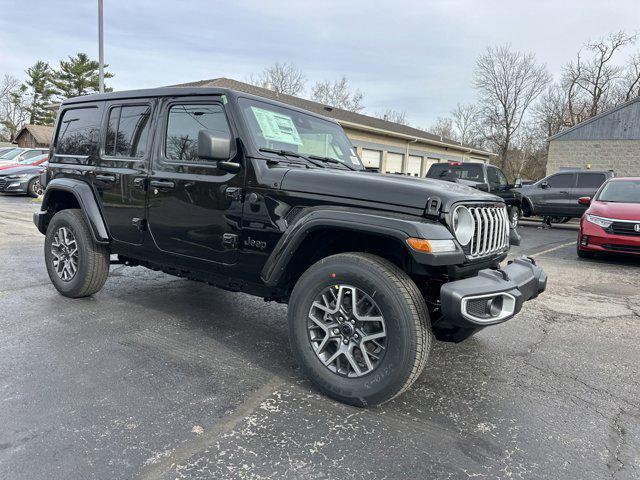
[[276, 126]]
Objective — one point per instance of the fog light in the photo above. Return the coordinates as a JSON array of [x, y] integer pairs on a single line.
[[495, 306], [584, 240]]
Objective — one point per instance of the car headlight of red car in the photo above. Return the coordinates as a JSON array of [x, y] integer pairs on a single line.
[[600, 221]]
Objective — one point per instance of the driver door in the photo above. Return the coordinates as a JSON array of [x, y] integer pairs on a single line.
[[556, 197], [194, 207]]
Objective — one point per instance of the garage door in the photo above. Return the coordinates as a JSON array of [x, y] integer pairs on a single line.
[[430, 161], [394, 163], [414, 165], [371, 158]]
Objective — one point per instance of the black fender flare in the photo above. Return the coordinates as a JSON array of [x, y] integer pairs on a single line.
[[387, 224], [83, 193]]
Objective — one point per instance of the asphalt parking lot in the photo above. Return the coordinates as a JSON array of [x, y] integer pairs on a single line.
[[157, 377]]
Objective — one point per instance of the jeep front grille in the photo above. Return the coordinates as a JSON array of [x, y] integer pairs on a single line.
[[491, 234]]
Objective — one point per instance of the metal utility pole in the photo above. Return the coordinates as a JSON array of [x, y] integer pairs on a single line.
[[100, 48]]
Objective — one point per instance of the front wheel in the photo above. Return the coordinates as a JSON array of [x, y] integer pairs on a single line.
[[359, 328], [77, 265], [34, 189], [514, 216]]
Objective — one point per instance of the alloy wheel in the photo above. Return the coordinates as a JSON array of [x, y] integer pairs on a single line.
[[515, 216], [36, 188], [64, 251], [347, 331]]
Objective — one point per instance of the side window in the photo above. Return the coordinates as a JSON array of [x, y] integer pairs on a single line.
[[183, 124], [127, 131], [562, 180], [78, 132], [496, 177], [590, 180]]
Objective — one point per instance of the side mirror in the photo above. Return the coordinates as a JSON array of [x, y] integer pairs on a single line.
[[544, 184], [584, 201], [518, 183], [214, 145]]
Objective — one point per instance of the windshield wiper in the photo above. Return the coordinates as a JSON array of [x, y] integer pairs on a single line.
[[331, 160], [289, 153]]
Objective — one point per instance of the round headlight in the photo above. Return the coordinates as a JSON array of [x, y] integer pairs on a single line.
[[463, 225]]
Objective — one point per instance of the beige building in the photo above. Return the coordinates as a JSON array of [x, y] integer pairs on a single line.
[[608, 141], [388, 146]]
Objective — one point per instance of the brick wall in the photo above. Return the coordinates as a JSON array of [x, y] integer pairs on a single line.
[[621, 156]]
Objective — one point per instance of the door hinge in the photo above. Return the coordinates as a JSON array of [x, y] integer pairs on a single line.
[[139, 223], [141, 183], [230, 241]]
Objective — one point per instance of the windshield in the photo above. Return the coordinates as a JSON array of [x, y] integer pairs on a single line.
[[11, 154], [621, 191], [284, 129], [465, 172]]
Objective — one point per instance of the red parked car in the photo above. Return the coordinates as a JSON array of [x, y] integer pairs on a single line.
[[37, 160], [612, 221]]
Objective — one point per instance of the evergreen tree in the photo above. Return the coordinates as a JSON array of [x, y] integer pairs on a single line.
[[41, 92], [78, 76]]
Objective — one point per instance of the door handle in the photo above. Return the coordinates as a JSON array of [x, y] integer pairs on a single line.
[[162, 183], [106, 178], [562, 191]]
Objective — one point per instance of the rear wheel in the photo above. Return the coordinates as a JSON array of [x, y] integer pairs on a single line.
[[359, 328], [77, 265]]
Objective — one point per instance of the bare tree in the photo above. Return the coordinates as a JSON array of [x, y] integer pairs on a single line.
[[631, 77], [466, 124], [551, 112], [14, 107], [338, 94], [395, 116], [592, 80], [507, 82], [283, 78], [443, 128]]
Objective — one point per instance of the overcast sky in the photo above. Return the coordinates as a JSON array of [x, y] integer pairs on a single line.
[[416, 56]]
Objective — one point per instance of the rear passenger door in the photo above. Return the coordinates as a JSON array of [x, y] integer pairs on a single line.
[[121, 172], [587, 186]]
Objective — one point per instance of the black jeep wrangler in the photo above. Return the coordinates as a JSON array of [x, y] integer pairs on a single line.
[[256, 196]]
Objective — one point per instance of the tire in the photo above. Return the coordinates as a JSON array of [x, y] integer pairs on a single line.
[[91, 259], [559, 219], [514, 216], [406, 325], [34, 189]]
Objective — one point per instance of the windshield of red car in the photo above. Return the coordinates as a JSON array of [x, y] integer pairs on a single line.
[[621, 191]]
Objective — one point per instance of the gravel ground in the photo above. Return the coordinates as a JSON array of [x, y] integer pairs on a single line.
[[157, 377]]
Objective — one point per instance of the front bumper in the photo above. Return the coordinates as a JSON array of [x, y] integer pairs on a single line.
[[18, 185], [493, 296], [594, 238]]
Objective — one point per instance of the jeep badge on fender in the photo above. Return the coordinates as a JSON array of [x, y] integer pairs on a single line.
[[372, 266]]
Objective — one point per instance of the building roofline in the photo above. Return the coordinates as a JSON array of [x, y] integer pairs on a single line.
[[462, 148], [593, 119]]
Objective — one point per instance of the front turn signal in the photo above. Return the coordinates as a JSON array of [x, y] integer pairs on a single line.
[[431, 246]]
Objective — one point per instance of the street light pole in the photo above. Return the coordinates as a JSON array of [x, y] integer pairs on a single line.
[[100, 48]]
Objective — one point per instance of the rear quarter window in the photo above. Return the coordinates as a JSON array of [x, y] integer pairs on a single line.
[[590, 180], [78, 132]]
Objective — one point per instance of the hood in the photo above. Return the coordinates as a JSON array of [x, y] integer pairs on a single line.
[[615, 210], [20, 169], [388, 189]]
